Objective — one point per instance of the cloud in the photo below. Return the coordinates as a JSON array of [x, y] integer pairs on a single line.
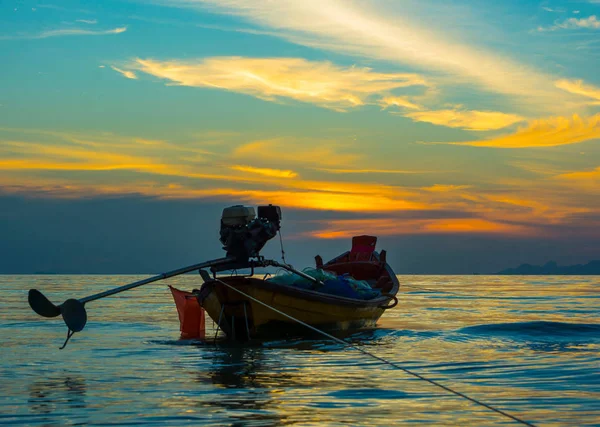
[[87, 21], [557, 10], [369, 171], [346, 228], [387, 33], [578, 87], [61, 164], [549, 132], [65, 32], [589, 23], [463, 119], [470, 120], [276, 173], [321, 83], [399, 101], [298, 151], [588, 181], [442, 188], [126, 73]]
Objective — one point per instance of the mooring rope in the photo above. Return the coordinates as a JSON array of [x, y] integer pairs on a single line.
[[387, 362]]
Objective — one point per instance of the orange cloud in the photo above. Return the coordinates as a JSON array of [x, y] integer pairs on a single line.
[[546, 133], [276, 173], [440, 188], [393, 227], [369, 171]]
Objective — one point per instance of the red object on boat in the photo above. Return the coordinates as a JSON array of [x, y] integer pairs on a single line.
[[362, 248], [191, 314]]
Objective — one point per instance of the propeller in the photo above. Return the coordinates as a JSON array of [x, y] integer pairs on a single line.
[[73, 310]]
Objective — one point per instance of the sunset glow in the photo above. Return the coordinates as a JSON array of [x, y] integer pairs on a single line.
[[363, 113]]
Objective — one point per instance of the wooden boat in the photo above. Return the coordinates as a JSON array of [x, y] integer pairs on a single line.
[[242, 317]]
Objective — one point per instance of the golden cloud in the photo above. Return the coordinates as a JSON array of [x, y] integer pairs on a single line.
[[549, 132], [469, 119], [399, 101], [276, 173], [370, 171], [321, 83], [441, 188], [578, 87], [346, 228]]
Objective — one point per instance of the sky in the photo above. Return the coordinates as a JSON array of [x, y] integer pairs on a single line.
[[465, 135]]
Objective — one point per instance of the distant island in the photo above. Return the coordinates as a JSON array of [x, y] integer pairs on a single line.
[[591, 268]]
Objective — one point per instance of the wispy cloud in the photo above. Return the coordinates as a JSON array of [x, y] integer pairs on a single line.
[[470, 120], [578, 87], [125, 73], [549, 132], [275, 173], [386, 33], [370, 171], [87, 21], [65, 32], [298, 151], [321, 83], [589, 23], [444, 188], [555, 9], [346, 228], [399, 101], [588, 180]]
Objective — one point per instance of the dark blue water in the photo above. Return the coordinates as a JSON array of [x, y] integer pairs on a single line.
[[528, 345]]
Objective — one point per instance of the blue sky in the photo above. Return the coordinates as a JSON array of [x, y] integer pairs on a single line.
[[473, 123]]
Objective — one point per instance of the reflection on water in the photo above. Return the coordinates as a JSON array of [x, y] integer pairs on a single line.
[[527, 345], [46, 395]]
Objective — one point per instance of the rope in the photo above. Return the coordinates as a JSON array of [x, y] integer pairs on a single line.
[[395, 365], [282, 251]]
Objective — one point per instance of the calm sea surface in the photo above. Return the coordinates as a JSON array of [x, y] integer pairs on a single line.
[[528, 345]]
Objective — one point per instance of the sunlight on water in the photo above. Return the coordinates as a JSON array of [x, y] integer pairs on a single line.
[[529, 345]]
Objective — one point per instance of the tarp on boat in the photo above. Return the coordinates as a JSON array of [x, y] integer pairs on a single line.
[[342, 286], [191, 314]]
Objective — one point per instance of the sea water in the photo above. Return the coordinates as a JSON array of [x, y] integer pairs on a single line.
[[527, 345]]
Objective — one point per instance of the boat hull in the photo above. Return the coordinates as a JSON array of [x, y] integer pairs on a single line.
[[246, 307], [243, 318]]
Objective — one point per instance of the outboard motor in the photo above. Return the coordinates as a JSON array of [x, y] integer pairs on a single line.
[[244, 234]]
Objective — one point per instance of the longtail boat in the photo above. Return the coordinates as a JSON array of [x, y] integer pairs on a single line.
[[241, 317], [349, 292]]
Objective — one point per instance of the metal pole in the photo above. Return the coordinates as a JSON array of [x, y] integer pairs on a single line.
[[162, 276]]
